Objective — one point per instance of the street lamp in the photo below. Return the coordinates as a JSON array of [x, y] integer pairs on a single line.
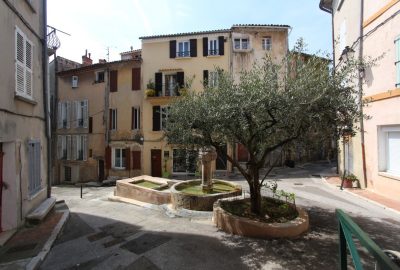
[[347, 54]]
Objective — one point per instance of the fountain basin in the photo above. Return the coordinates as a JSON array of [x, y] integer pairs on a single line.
[[189, 195], [145, 188]]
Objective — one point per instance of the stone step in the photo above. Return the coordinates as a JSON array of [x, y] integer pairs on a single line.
[[42, 210]]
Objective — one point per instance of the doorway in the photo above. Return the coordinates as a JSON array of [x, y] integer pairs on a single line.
[[156, 162], [221, 159], [101, 170]]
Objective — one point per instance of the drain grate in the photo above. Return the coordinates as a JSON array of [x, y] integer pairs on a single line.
[[145, 243]]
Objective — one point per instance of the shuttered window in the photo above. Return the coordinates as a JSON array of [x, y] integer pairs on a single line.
[[135, 79], [80, 147], [64, 114], [136, 160], [118, 158], [81, 113], [113, 119], [113, 80], [34, 167], [23, 65], [397, 62], [135, 118], [62, 147]]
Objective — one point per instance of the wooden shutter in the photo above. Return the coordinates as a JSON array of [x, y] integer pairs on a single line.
[[193, 47], [172, 48], [20, 63], [180, 79], [110, 119], [205, 46], [68, 113], [84, 146], [221, 41], [59, 147], [205, 78], [158, 83], [138, 118], [59, 114], [113, 80], [74, 113], [34, 166], [128, 158], [90, 124], [135, 79], [74, 151], [156, 118], [85, 113], [108, 157], [136, 160], [133, 119], [68, 147], [28, 68]]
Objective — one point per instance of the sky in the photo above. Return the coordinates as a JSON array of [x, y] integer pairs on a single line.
[[115, 25]]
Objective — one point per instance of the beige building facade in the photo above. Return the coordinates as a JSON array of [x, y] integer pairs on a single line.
[[23, 133], [370, 29]]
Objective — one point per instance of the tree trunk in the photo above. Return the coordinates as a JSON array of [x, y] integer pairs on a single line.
[[255, 192]]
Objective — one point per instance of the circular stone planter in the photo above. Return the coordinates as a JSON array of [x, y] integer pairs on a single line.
[[230, 223], [204, 202]]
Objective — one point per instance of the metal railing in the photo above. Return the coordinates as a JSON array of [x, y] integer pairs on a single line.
[[349, 229], [168, 90]]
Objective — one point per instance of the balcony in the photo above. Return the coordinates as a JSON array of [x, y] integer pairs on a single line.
[[168, 92], [53, 43]]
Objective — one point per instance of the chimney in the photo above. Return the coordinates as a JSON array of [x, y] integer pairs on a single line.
[[102, 61], [86, 61]]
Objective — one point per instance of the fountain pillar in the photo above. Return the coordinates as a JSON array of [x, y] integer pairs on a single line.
[[206, 157]]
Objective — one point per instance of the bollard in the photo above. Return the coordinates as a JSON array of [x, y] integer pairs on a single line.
[[81, 190]]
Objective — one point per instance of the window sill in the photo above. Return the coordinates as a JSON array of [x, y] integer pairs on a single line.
[[213, 56], [241, 50], [118, 169], [182, 57], [25, 98], [389, 175], [37, 193]]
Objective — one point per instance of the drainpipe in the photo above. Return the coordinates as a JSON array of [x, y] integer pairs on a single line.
[[46, 97], [360, 95]]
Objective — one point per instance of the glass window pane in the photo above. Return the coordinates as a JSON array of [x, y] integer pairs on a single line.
[[393, 154]]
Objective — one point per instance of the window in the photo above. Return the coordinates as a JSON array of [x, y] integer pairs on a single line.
[[135, 118], [164, 116], [64, 108], [266, 43], [34, 167], [79, 144], [397, 62], [119, 158], [99, 77], [113, 119], [74, 81], [62, 147], [81, 112], [184, 161], [160, 117], [389, 145], [171, 85], [67, 173], [183, 49], [23, 65], [213, 79], [241, 44], [213, 47]]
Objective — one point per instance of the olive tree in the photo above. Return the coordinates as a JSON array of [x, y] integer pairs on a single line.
[[266, 109]]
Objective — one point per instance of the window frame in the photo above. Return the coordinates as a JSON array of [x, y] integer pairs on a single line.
[[81, 145], [183, 54], [122, 158], [163, 116], [383, 151], [241, 42], [113, 119], [97, 80], [213, 77], [136, 120], [267, 43], [213, 42]]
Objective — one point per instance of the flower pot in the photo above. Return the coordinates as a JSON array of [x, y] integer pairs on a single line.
[[347, 183]]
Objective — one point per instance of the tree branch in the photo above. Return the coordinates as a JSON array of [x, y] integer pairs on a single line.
[[270, 169]]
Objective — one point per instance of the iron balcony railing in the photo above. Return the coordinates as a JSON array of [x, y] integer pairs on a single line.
[[183, 54], [168, 90], [349, 229], [213, 52]]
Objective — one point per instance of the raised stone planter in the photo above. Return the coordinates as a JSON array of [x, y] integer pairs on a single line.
[[199, 202], [230, 223], [126, 188]]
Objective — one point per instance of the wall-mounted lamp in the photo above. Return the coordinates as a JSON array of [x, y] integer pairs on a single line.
[[347, 54]]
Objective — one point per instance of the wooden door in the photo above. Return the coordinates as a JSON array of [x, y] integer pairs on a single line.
[[242, 153], [156, 162], [101, 170]]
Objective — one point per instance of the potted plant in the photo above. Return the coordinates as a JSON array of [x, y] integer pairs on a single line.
[[349, 180], [150, 91]]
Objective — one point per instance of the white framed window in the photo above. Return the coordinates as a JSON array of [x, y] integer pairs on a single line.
[[99, 77], [183, 49], [213, 79], [62, 147], [135, 118], [184, 160], [164, 117], [74, 81], [397, 60], [118, 158], [64, 108], [23, 65], [80, 147], [213, 47], [267, 43], [113, 119], [389, 149], [81, 113], [241, 43]]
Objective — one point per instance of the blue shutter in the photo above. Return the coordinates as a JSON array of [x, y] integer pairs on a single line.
[[34, 167]]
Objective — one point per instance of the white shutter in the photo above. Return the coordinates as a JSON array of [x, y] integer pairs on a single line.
[[84, 146], [68, 113], [28, 68], [74, 81], [393, 152], [85, 113], [68, 147], [19, 63], [59, 114], [74, 146], [74, 113]]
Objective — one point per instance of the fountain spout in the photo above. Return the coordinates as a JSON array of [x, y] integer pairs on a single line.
[[207, 156]]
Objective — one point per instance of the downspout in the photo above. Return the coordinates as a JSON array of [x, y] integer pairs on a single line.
[[360, 95], [46, 97]]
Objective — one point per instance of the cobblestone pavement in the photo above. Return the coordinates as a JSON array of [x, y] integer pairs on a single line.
[[108, 235]]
